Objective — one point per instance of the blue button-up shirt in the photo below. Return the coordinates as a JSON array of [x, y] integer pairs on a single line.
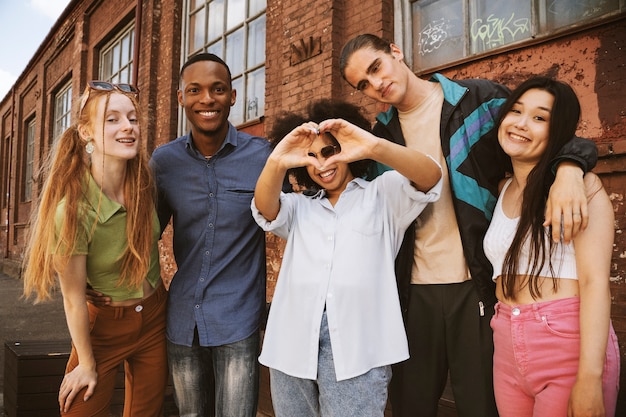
[[219, 249]]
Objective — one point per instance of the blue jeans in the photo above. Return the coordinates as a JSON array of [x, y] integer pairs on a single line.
[[361, 396], [220, 381]]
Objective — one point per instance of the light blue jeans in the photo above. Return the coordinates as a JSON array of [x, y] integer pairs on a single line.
[[221, 381], [361, 396]]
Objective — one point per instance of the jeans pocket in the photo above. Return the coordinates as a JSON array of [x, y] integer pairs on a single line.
[[565, 327]]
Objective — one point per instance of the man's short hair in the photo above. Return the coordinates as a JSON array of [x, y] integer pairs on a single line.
[[205, 56]]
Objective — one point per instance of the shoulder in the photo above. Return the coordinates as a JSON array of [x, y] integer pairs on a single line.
[[254, 141], [170, 147], [255, 148], [478, 87], [502, 183]]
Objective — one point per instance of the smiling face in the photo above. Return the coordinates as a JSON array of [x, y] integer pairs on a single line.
[[206, 95], [115, 128], [334, 178], [377, 74], [524, 130]]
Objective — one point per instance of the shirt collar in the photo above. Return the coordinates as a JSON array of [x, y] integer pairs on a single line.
[[356, 182], [231, 139], [107, 207]]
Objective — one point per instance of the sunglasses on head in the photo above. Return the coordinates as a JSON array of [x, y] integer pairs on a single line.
[[106, 86], [326, 152]]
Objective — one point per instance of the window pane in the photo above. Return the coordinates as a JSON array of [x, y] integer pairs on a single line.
[[497, 23], [559, 13], [124, 76], [28, 169], [62, 110], [216, 20], [236, 13], [193, 4], [125, 51], [107, 66], [116, 57], [196, 30], [236, 111], [131, 43], [256, 42], [256, 6], [255, 97], [439, 32], [217, 49], [235, 52]]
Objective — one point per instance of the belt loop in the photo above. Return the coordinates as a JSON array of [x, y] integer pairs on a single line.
[[119, 312]]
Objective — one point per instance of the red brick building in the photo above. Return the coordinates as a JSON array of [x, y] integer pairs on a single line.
[[286, 53]]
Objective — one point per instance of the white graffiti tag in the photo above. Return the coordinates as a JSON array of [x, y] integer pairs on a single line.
[[432, 36]]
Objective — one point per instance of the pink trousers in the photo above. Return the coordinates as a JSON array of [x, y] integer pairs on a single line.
[[536, 351]]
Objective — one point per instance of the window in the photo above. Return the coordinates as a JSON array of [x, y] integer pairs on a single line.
[[4, 171], [445, 31], [62, 110], [235, 31], [27, 179], [116, 58]]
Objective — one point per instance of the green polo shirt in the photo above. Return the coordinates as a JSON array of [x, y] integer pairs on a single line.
[[107, 243]]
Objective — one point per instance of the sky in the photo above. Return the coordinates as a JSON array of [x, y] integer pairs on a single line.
[[24, 24]]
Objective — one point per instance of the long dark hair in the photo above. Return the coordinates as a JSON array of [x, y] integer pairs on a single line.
[[530, 231], [318, 111]]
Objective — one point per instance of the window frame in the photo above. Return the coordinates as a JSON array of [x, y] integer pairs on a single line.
[[63, 102], [28, 169], [219, 45], [124, 71], [536, 35], [5, 147]]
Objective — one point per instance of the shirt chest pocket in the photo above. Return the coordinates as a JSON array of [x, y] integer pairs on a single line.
[[366, 220]]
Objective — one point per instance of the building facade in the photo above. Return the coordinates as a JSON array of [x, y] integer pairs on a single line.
[[285, 53]]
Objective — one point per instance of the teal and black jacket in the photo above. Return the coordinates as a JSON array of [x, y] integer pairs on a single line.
[[476, 164]]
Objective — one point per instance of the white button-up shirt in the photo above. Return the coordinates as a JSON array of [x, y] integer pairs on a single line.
[[341, 258]]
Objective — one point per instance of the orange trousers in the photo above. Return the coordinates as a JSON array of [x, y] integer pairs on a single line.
[[135, 336]]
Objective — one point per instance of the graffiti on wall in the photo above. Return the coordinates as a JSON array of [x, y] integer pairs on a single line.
[[495, 31]]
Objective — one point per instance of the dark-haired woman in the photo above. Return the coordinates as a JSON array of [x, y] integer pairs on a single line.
[[555, 351]]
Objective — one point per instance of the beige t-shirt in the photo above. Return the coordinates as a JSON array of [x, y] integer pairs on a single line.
[[439, 255]]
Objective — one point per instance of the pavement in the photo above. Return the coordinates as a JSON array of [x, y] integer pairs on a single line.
[[22, 320]]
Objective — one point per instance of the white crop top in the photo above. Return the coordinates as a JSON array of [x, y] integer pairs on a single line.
[[498, 240]]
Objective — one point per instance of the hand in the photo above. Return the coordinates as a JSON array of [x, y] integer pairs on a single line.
[[73, 382], [566, 208], [356, 143], [293, 150], [586, 400], [97, 298]]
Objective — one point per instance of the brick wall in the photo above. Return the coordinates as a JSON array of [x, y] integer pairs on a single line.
[[303, 43]]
